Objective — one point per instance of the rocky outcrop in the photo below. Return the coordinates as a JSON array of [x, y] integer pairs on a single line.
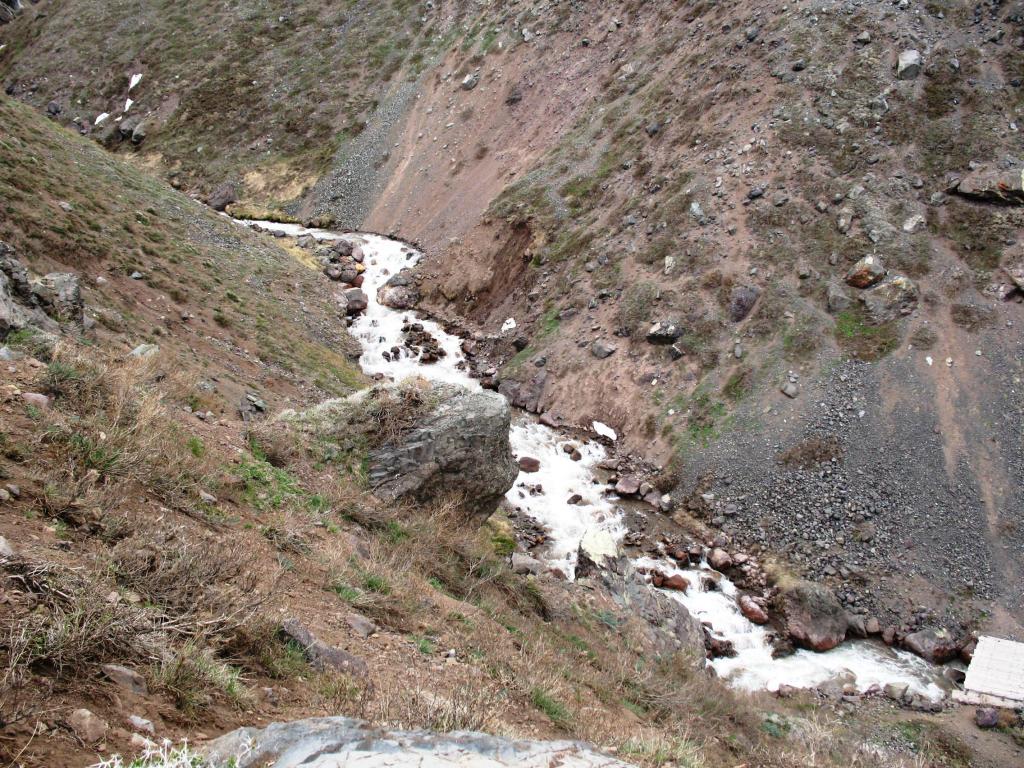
[[8, 10], [460, 447], [894, 297], [814, 618], [992, 186], [341, 741], [45, 303]]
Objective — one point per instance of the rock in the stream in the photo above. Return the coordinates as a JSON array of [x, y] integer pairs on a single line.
[[528, 464], [399, 292], [814, 617], [935, 645], [753, 610], [341, 741]]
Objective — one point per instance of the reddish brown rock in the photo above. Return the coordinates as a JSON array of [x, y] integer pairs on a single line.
[[719, 559], [675, 582], [529, 464], [814, 617], [754, 612], [935, 645], [628, 485], [866, 272]]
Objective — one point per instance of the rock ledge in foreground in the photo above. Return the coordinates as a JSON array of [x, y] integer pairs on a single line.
[[329, 741]]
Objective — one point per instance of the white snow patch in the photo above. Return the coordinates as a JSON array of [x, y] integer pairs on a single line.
[[135, 80], [128, 104], [604, 430], [100, 118], [508, 325]]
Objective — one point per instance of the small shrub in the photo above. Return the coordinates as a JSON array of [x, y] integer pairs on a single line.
[[860, 339], [556, 711]]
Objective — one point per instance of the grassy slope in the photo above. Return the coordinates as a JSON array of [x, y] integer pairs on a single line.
[[240, 289], [123, 559], [269, 88]]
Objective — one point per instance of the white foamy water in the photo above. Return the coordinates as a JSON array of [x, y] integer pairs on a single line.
[[544, 497], [862, 662]]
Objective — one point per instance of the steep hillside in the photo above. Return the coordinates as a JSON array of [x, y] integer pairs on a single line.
[[175, 566], [776, 247]]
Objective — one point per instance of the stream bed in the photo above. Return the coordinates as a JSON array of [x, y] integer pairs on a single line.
[[544, 497]]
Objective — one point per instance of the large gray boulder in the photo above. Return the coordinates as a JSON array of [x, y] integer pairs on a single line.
[[423, 441], [24, 302], [60, 295], [460, 447], [814, 617], [322, 742]]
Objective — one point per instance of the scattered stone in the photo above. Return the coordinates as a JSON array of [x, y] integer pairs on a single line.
[[361, 625], [908, 65], [126, 678], [6, 550], [320, 654], [986, 717], [87, 726], [719, 559], [742, 300], [525, 564], [790, 389], [837, 299], [894, 297], [140, 724], [664, 333], [529, 464], [866, 272], [224, 195], [602, 349], [470, 81], [144, 350], [36, 399]]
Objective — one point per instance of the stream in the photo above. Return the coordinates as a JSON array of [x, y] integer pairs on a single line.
[[543, 496]]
